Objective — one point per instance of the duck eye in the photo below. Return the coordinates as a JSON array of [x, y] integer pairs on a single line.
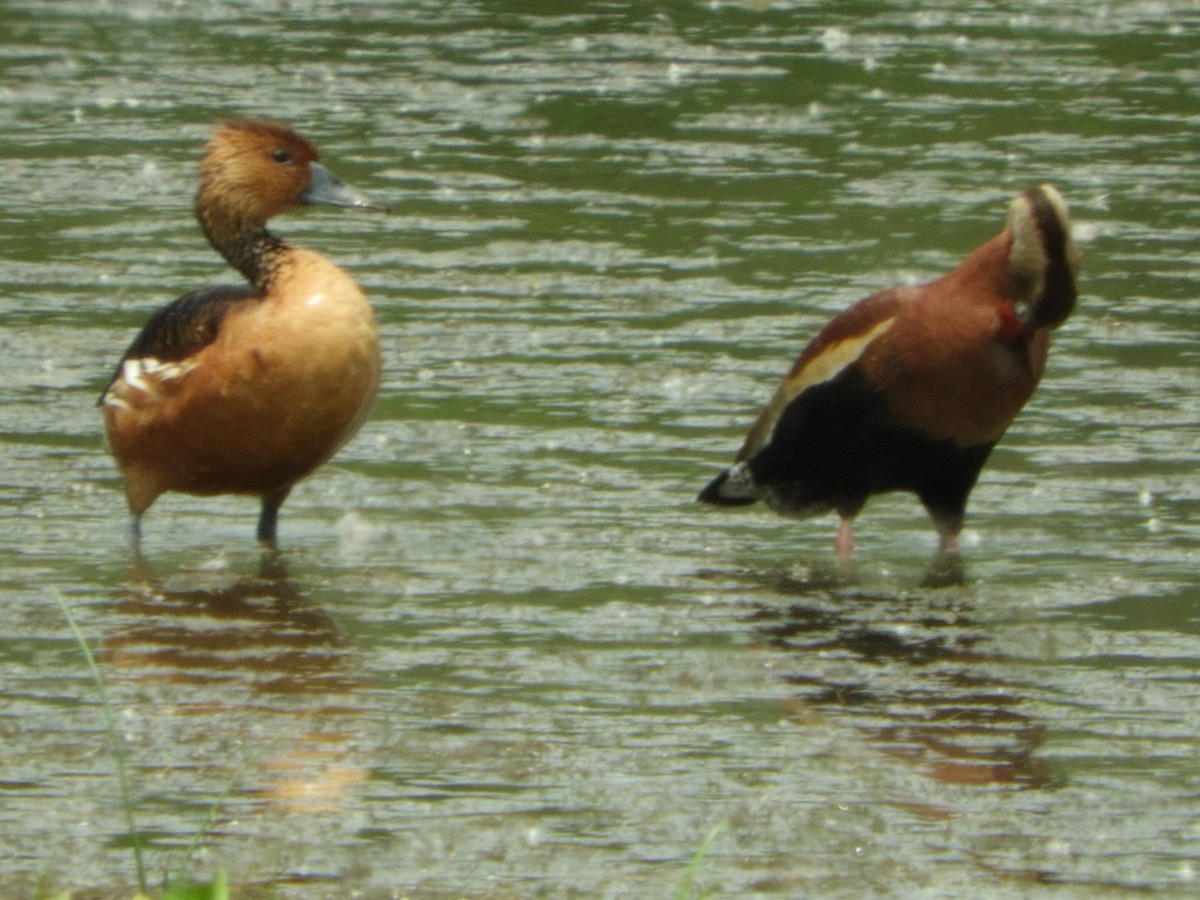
[[281, 156]]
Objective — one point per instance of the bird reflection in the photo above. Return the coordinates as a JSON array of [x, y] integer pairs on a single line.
[[944, 570], [250, 659], [912, 673]]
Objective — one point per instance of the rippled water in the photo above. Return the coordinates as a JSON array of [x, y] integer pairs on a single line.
[[505, 654]]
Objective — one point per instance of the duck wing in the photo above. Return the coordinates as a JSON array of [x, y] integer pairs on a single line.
[[183, 327]]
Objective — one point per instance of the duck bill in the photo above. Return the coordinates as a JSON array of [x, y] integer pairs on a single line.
[[326, 189]]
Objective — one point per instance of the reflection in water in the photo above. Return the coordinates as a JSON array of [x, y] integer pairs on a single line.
[[920, 685], [255, 657]]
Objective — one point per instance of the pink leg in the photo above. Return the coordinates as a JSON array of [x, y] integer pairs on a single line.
[[945, 570], [948, 542], [844, 546]]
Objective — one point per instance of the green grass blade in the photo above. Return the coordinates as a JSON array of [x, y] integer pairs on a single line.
[[115, 742], [213, 809], [687, 884]]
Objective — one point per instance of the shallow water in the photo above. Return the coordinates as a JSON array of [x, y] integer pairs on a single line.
[[504, 653]]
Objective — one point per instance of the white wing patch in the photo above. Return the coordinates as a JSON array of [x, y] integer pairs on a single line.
[[830, 362], [823, 367], [148, 376]]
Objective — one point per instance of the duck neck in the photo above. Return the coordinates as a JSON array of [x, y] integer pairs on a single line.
[[247, 246]]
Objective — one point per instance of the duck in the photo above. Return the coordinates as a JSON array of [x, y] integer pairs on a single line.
[[248, 388], [910, 388]]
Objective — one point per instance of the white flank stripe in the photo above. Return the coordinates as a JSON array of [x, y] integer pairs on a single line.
[[149, 375]]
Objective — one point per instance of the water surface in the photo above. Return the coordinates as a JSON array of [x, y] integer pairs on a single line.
[[504, 653]]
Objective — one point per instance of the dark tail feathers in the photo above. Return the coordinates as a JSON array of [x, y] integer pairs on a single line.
[[712, 493]]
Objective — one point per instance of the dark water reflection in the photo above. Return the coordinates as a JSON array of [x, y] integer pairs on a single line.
[[266, 667], [921, 690], [259, 630]]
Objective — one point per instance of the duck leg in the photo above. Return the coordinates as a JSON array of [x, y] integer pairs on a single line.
[[269, 518], [844, 544]]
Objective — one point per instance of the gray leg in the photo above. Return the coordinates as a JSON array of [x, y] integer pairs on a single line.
[[270, 514]]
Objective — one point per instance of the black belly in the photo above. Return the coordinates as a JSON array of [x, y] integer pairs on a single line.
[[837, 444]]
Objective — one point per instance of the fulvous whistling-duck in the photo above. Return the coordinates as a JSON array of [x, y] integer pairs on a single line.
[[246, 389], [910, 388]]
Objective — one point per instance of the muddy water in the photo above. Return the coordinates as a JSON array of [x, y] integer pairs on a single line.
[[504, 654]]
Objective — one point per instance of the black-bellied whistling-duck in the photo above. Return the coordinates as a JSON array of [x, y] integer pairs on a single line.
[[246, 389], [910, 388]]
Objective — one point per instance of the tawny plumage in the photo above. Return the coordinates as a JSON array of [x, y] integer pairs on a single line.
[[911, 388], [246, 389]]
